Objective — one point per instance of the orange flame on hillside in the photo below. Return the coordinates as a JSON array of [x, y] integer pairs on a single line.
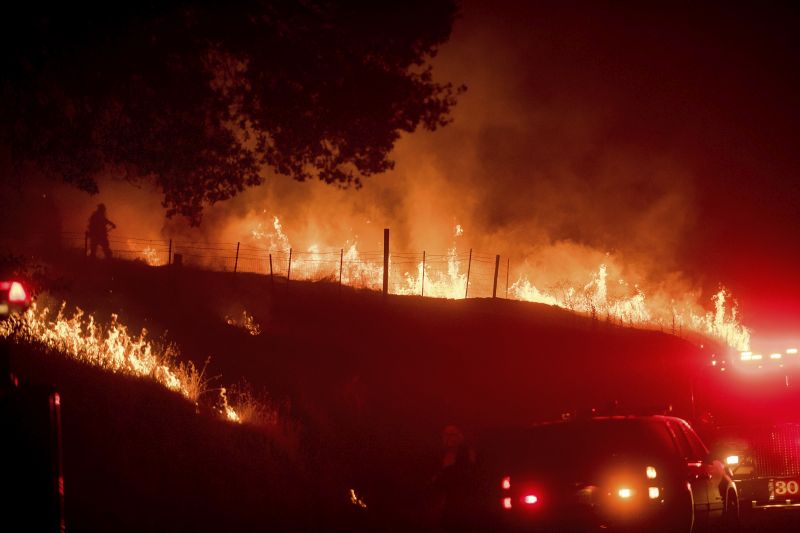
[[114, 349], [626, 304], [246, 322], [593, 299]]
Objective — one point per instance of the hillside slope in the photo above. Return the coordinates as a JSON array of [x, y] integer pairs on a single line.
[[371, 380]]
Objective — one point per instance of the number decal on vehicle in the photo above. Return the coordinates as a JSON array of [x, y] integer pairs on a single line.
[[783, 488]]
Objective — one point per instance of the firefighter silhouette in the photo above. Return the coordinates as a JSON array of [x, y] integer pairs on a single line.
[[98, 232]]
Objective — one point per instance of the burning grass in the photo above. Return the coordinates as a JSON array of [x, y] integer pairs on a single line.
[[596, 291], [246, 322], [112, 348], [597, 295], [594, 299]]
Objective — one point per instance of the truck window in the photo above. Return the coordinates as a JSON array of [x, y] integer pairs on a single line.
[[683, 442], [699, 449]]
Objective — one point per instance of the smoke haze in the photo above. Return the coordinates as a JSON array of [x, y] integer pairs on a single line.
[[570, 149]]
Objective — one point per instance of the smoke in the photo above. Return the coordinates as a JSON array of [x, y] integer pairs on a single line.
[[543, 164]]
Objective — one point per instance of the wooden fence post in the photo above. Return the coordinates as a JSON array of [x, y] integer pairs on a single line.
[[385, 261], [271, 278], [236, 260], [423, 272], [496, 269], [289, 271], [469, 267], [169, 253], [341, 265]]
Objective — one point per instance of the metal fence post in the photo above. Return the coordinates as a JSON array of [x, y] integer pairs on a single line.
[[469, 267], [236, 261], [386, 261], [271, 279], [341, 265], [496, 269], [289, 270]]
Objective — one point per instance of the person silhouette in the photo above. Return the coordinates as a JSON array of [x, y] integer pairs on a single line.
[[456, 482], [98, 231]]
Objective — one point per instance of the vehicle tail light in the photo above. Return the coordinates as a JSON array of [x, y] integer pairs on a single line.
[[506, 503], [653, 492], [16, 293], [732, 460], [530, 499], [651, 472], [625, 493], [506, 483]]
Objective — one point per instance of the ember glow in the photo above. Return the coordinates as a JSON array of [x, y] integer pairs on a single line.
[[356, 500], [154, 253], [112, 348], [245, 322], [151, 257]]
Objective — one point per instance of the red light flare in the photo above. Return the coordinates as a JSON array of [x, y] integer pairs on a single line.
[[16, 293], [530, 499]]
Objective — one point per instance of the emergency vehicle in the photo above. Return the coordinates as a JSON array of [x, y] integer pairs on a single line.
[[747, 409]]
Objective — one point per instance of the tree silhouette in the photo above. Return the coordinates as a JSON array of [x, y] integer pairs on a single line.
[[202, 97]]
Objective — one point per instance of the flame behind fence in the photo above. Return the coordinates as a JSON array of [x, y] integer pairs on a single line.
[[454, 274]]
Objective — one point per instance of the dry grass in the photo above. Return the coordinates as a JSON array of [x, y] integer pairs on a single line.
[[252, 408], [113, 348]]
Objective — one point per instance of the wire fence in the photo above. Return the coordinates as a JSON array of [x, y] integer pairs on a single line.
[[449, 274]]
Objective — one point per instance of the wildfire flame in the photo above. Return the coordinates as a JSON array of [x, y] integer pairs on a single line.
[[113, 349], [150, 257], [592, 298], [355, 499], [449, 284], [246, 322], [723, 324], [230, 414], [356, 270], [359, 272], [148, 253]]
